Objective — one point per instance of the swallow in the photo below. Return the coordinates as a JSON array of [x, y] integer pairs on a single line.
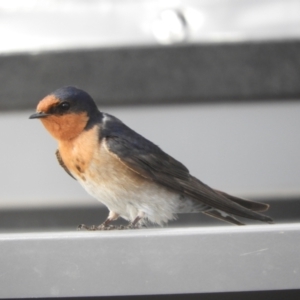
[[129, 174]]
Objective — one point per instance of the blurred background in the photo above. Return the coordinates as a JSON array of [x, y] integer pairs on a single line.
[[216, 84]]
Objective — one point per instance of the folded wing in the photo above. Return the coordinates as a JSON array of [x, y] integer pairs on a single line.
[[149, 161]]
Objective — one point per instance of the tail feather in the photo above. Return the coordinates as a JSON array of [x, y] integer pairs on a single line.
[[223, 217], [223, 202], [255, 206]]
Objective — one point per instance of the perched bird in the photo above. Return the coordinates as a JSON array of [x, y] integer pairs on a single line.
[[133, 177]]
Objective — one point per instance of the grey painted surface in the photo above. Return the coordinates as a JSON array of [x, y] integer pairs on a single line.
[[157, 261], [248, 150], [157, 75]]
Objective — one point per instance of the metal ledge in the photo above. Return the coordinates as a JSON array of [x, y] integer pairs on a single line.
[[150, 261]]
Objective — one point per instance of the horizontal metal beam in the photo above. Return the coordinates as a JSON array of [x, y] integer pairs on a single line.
[[179, 74], [285, 210], [150, 261]]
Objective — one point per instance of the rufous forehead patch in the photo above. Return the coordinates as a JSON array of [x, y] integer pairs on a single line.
[[46, 103]]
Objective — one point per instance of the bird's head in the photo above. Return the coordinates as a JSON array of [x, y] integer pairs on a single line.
[[66, 112]]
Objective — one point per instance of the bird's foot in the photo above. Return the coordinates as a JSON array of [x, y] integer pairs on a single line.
[[129, 226], [96, 228]]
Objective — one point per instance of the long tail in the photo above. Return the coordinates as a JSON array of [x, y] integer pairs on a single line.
[[254, 206], [224, 206]]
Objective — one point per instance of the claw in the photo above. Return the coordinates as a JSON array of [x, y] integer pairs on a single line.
[[96, 228], [104, 226], [129, 226]]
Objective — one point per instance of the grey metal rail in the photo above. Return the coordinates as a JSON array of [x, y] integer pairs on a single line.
[[150, 261]]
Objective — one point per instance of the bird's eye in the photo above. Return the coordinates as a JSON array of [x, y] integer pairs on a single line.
[[65, 105]]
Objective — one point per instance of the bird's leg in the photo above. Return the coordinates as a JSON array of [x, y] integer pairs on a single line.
[[134, 224], [104, 226]]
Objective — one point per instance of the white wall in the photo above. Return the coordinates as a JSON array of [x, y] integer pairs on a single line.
[[245, 149]]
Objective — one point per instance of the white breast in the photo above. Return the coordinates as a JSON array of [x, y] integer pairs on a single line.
[[127, 193]]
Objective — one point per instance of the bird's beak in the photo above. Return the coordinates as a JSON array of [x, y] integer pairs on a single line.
[[38, 115]]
